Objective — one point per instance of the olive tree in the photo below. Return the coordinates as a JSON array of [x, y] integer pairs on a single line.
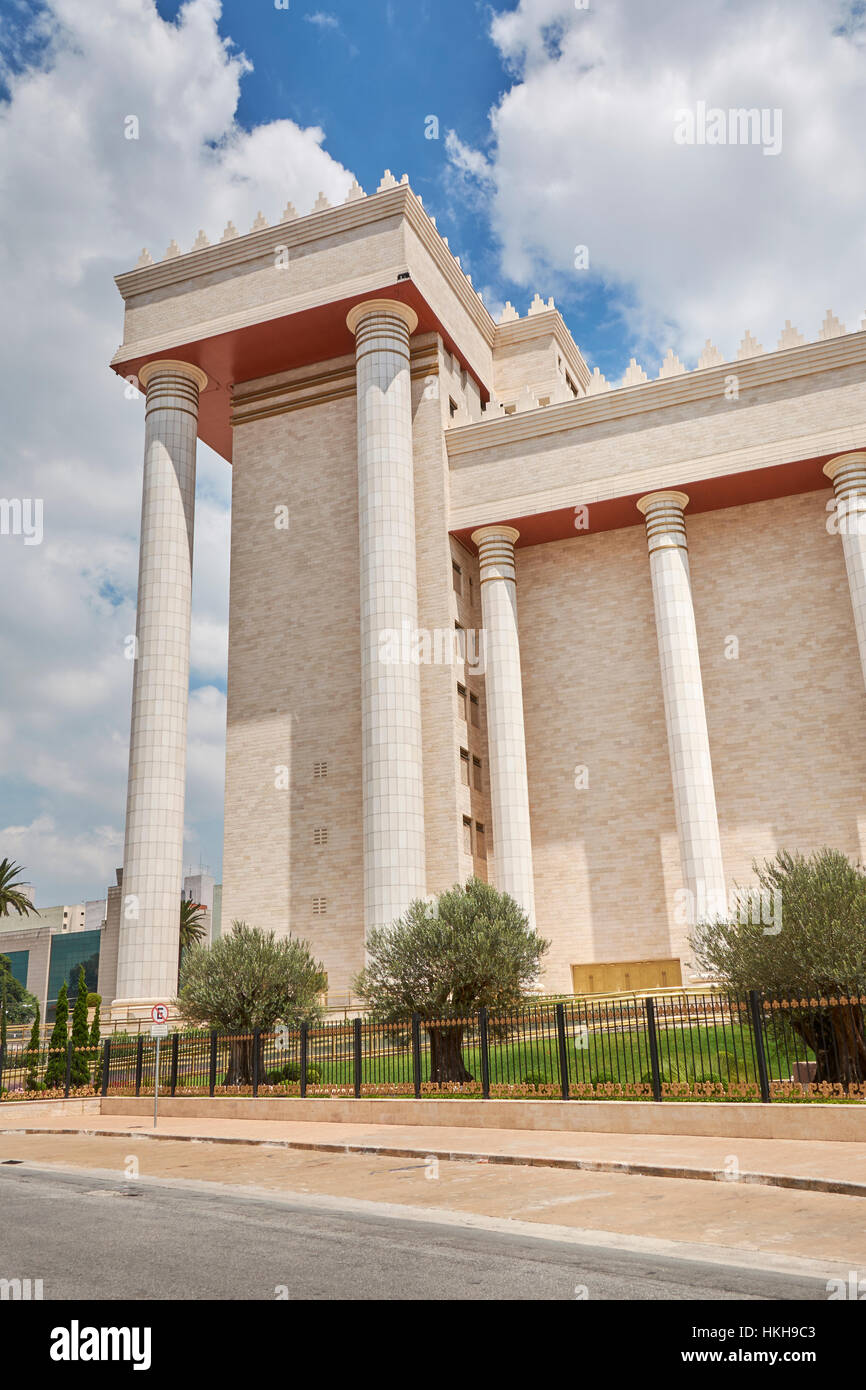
[[249, 979], [815, 949], [471, 948]]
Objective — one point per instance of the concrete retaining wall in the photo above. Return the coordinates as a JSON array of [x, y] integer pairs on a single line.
[[777, 1121]]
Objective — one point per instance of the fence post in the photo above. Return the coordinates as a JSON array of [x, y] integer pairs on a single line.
[[68, 1067], [485, 1054], [305, 1042], [357, 1055], [257, 1043], [139, 1058], [213, 1061], [563, 1050], [106, 1064], [2, 1064], [760, 1054], [175, 1041], [416, 1054], [652, 1036]]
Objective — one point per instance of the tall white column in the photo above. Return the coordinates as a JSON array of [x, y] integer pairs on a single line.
[[153, 846], [506, 740], [847, 473], [685, 715], [393, 785]]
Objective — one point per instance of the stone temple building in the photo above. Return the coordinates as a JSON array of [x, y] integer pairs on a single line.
[[603, 647]]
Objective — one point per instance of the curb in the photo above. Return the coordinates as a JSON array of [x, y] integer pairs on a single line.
[[835, 1186]]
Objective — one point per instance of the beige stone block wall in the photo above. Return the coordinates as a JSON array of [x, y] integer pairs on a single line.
[[472, 332], [659, 435], [605, 856], [789, 768], [294, 671], [532, 363], [108, 946], [319, 267], [294, 685]]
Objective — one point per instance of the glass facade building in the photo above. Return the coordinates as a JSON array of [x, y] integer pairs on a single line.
[[18, 961], [68, 954]]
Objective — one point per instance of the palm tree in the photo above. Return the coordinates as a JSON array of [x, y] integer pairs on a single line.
[[192, 923], [11, 897], [192, 927]]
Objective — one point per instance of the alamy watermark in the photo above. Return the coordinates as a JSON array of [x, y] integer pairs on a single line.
[[21, 1290], [421, 646], [746, 906], [22, 516], [740, 125]]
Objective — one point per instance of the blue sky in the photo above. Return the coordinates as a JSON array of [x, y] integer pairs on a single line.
[[369, 73], [556, 130]]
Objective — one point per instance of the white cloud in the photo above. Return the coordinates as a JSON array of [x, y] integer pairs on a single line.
[[689, 241], [323, 20], [79, 201], [79, 858]]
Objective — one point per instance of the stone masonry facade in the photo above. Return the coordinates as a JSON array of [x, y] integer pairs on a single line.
[[597, 644]]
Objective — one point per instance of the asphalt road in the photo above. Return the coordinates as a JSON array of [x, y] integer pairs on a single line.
[[93, 1237]]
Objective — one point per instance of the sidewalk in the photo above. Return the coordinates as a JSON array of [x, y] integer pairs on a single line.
[[806, 1166]]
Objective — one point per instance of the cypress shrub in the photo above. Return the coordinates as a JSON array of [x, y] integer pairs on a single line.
[[55, 1072]]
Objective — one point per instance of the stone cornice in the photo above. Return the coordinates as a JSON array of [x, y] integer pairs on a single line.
[[248, 318], [393, 204], [810, 359], [240, 250]]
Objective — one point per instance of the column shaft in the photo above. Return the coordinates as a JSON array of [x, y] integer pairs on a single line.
[[848, 475], [393, 786], [685, 715], [506, 740], [153, 846]]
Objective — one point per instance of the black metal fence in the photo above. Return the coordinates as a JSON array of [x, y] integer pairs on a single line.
[[684, 1046]]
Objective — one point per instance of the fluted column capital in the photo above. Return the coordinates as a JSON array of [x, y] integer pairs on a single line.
[[172, 367], [393, 308], [495, 546], [847, 472], [665, 523]]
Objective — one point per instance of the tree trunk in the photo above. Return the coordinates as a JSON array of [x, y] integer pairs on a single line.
[[240, 1070], [446, 1057], [836, 1035]]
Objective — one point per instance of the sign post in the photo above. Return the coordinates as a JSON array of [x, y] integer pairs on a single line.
[[159, 1029]]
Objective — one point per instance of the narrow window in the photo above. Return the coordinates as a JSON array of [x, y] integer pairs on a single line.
[[457, 577], [480, 841], [467, 835], [476, 774], [473, 710], [461, 701], [464, 766]]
